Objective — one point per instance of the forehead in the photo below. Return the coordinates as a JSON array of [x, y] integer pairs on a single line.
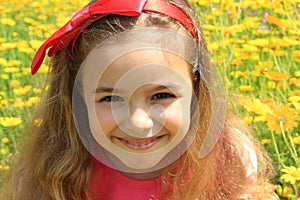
[[150, 62], [146, 46], [138, 68]]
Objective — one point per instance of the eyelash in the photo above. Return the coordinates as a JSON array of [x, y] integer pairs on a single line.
[[162, 96], [111, 98], [156, 97]]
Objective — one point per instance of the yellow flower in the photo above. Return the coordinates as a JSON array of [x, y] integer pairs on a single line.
[[4, 151], [35, 44], [4, 76], [239, 74], [32, 100], [255, 106], [292, 174], [22, 91], [209, 27], [282, 115], [19, 103], [7, 21], [10, 121], [284, 192], [4, 167], [249, 48], [36, 90], [13, 63], [275, 21], [3, 61], [251, 22], [265, 141], [7, 46], [26, 70], [5, 140], [11, 70], [246, 88], [30, 21], [279, 53], [262, 67], [44, 69], [260, 42], [27, 50], [294, 81], [277, 76], [14, 84], [296, 140]]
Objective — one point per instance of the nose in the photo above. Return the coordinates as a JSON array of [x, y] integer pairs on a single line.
[[139, 122], [141, 119]]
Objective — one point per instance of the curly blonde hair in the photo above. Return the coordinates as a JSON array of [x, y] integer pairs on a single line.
[[54, 164]]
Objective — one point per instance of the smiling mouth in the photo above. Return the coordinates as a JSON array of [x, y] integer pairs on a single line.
[[140, 144]]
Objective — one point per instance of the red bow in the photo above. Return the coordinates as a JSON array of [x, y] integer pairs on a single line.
[[82, 19]]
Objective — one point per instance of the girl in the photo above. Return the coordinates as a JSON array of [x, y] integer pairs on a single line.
[[134, 111]]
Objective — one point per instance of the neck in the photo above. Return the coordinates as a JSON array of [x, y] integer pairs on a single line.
[[143, 176]]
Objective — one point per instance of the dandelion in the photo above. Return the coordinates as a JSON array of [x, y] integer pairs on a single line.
[[13, 63], [19, 103], [246, 88], [294, 81], [36, 90], [44, 69], [5, 140], [249, 48], [7, 46], [4, 76], [22, 91], [282, 115], [284, 191], [8, 21], [260, 42], [11, 70], [3, 151], [14, 84], [296, 140], [10, 121], [3, 61], [265, 141], [292, 174], [26, 70], [35, 44], [32, 100]]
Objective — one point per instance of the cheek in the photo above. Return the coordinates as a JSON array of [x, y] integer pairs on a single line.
[[105, 119], [177, 118]]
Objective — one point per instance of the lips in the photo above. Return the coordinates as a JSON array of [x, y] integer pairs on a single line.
[[140, 144]]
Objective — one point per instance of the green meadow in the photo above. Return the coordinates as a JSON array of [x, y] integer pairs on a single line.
[[254, 44]]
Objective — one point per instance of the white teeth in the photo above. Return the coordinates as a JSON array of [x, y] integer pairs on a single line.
[[140, 146]]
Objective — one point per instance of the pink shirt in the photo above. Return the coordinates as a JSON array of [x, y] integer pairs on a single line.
[[110, 184]]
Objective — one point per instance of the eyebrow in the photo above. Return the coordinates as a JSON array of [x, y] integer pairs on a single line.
[[106, 89], [171, 86]]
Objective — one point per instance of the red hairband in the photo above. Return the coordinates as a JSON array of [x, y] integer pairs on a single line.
[[82, 19]]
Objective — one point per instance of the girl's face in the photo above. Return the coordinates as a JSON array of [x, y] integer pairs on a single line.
[[139, 106]]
